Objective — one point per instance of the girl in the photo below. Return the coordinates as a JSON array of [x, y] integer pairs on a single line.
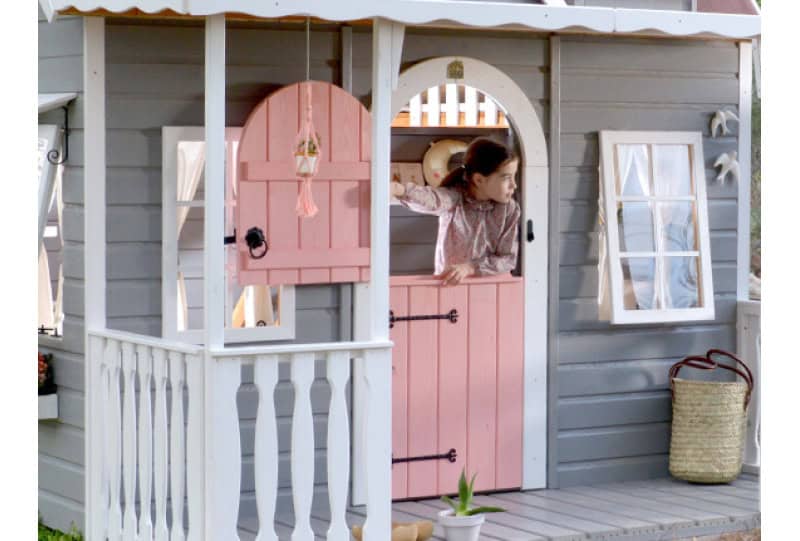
[[478, 217]]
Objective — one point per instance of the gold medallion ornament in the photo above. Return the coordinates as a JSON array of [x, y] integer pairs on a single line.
[[455, 70]]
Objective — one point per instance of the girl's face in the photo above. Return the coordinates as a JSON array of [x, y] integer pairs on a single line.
[[499, 186]]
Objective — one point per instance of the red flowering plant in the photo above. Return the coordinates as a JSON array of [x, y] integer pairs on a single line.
[[46, 383]]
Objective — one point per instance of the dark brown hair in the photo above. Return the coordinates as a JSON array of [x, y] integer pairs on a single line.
[[484, 156]]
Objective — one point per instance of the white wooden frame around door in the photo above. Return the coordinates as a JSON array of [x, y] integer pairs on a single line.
[[534, 182]]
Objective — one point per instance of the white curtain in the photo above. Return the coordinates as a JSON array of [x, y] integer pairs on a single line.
[[637, 224], [45, 304], [191, 160]]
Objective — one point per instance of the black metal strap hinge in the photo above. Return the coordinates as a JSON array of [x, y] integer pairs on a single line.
[[452, 316], [450, 456], [231, 239]]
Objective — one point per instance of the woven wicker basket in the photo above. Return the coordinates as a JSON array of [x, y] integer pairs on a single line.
[[708, 422]]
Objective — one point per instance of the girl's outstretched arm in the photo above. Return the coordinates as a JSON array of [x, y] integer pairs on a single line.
[[425, 199], [505, 257]]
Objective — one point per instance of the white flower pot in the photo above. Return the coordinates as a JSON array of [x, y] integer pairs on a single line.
[[303, 166], [460, 528]]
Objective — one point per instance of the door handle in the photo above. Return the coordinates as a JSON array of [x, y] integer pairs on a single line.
[[530, 234]]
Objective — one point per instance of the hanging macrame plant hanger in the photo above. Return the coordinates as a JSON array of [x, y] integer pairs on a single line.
[[307, 150]]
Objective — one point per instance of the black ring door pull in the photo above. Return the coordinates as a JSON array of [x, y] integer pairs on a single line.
[[254, 240], [530, 236]]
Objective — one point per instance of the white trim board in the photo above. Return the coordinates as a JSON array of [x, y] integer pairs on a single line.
[[465, 13]]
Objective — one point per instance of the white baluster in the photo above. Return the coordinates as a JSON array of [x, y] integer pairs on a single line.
[[470, 106], [114, 441], [302, 446], [415, 111], [97, 396], [226, 457], [434, 107], [160, 449], [451, 104], [265, 377], [177, 378], [145, 444], [338, 444], [195, 447], [490, 111], [378, 442], [129, 441]]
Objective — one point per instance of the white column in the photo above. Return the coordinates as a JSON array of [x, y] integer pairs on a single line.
[[381, 156], [745, 121], [94, 201], [214, 231]]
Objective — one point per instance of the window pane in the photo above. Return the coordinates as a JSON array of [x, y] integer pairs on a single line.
[[636, 227], [638, 282], [681, 283], [672, 171], [677, 227], [633, 170]]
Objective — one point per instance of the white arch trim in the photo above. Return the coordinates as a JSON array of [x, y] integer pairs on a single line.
[[522, 116]]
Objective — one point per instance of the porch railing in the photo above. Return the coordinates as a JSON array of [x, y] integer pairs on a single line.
[[748, 346], [164, 420]]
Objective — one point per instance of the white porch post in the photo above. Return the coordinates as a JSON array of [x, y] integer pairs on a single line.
[[221, 482], [94, 202], [745, 123], [376, 439]]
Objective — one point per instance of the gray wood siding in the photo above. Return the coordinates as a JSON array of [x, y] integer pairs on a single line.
[[60, 450], [613, 405]]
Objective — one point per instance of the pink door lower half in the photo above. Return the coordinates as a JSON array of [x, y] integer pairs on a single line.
[[457, 385]]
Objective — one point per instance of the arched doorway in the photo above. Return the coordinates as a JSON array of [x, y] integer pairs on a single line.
[[533, 247]]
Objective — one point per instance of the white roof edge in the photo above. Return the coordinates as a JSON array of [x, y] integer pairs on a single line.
[[469, 13], [48, 102]]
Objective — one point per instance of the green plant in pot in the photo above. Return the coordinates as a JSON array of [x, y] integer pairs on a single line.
[[463, 521]]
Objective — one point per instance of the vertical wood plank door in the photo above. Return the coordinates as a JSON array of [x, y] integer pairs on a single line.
[[457, 385], [333, 245]]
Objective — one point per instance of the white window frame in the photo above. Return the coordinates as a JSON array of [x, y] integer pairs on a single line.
[[610, 271], [171, 135]]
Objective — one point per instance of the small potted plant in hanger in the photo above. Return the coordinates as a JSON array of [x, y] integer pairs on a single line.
[[48, 401], [305, 156], [463, 522]]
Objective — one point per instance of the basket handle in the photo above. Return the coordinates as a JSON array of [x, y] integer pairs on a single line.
[[693, 361], [747, 375]]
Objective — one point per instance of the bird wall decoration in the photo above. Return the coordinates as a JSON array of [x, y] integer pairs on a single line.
[[720, 120], [727, 164]]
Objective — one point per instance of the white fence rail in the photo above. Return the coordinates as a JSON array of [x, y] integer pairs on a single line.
[[164, 420], [472, 108], [748, 346]]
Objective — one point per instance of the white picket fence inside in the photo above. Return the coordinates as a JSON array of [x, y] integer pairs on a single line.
[[748, 347], [478, 108], [163, 419]]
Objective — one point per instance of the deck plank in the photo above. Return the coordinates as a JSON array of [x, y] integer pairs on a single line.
[[714, 510], [734, 499], [489, 530], [531, 526], [627, 508], [578, 524], [587, 511]]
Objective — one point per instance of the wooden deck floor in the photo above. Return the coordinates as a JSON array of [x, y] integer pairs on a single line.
[[653, 510]]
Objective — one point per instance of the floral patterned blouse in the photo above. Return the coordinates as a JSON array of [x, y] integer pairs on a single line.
[[481, 232]]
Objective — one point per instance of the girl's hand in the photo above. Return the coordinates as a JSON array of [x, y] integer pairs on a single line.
[[398, 190], [455, 273]]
